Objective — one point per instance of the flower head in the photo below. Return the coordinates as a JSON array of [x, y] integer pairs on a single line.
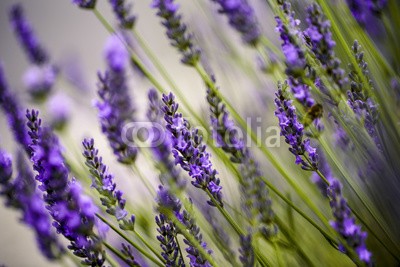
[[12, 109], [73, 212], [192, 156], [26, 36], [122, 12], [242, 18], [115, 107], [176, 30], [293, 131]]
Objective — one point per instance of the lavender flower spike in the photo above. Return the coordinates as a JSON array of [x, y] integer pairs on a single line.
[[167, 201], [293, 131], [168, 242], [257, 202], [122, 12], [85, 4], [11, 107], [104, 183], [73, 212], [23, 29], [296, 62], [161, 145], [319, 35], [190, 152], [115, 107], [176, 31], [241, 17], [344, 222], [22, 194]]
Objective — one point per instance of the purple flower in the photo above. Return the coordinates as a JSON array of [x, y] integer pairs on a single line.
[[257, 201], [122, 12], [319, 36], [22, 194], [358, 10], [296, 62], [59, 107], [115, 107], [11, 107], [39, 80], [72, 211], [104, 183], [161, 144], [242, 18], [167, 201], [26, 36], [115, 53], [344, 222], [168, 241], [376, 6], [246, 251], [85, 4], [293, 131], [193, 156], [176, 30], [360, 100]]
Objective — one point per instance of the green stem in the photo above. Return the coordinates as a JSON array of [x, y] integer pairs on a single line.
[[110, 260], [149, 246], [121, 234], [301, 213]]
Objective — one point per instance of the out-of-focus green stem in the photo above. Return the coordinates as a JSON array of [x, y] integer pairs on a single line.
[[121, 234], [117, 253]]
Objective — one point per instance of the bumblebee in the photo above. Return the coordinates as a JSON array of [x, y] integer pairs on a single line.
[[314, 112]]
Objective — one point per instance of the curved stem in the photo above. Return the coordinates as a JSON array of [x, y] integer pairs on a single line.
[[136, 246], [112, 262]]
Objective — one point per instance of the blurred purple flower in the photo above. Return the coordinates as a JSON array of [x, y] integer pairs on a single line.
[[242, 18]]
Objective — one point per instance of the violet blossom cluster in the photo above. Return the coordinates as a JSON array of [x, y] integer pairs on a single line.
[[176, 30], [161, 144], [13, 111], [319, 36], [242, 18], [168, 202], [168, 241], [115, 107], [85, 4], [293, 131], [122, 12], [73, 212], [22, 194], [256, 195], [345, 224], [104, 183], [41, 75], [358, 97], [190, 152], [296, 62], [246, 251]]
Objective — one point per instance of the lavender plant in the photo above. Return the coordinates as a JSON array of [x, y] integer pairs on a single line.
[[300, 151]]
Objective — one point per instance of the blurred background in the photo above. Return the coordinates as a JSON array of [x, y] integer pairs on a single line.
[[74, 39]]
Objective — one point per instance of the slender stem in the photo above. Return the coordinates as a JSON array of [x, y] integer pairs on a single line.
[[226, 215], [301, 213], [110, 260], [121, 234], [146, 183], [278, 254], [155, 252], [117, 253]]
